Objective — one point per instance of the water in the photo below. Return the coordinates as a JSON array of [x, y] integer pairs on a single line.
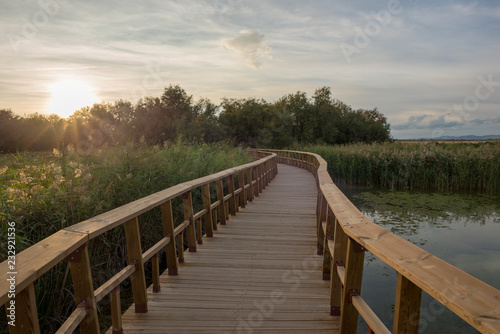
[[462, 229]]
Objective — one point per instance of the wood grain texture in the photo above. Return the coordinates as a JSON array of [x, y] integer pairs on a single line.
[[259, 274], [471, 299]]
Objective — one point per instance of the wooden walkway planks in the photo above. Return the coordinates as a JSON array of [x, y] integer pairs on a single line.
[[258, 274]]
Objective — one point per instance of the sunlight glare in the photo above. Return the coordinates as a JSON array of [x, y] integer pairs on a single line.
[[69, 96]]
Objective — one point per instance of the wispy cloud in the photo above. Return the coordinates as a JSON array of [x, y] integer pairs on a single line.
[[250, 46], [447, 120], [421, 64]]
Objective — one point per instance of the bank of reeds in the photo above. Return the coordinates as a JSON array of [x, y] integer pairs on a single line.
[[428, 165], [43, 193]]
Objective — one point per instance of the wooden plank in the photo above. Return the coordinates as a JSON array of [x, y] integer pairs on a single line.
[[241, 185], [168, 231], [373, 321], [104, 222], [33, 262], [250, 182], [134, 253], [187, 203], [116, 311], [407, 306], [113, 282], [352, 285], [232, 200], [337, 281], [73, 321], [220, 198], [26, 312], [248, 271], [155, 249], [155, 264], [79, 263], [207, 205]]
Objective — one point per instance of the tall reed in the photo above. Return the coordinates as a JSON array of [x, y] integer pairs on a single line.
[[43, 193], [416, 165]]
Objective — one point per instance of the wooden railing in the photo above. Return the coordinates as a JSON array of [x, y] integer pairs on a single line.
[[344, 234], [71, 245]]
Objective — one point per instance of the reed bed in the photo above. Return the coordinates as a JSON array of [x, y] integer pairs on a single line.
[[43, 193], [428, 165]]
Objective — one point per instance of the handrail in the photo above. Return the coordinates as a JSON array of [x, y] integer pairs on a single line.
[[344, 234], [71, 244]]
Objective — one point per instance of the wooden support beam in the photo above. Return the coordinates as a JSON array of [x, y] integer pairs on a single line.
[[220, 197], [250, 192], [155, 264], [264, 175], [134, 251], [180, 246], [338, 259], [25, 312], [257, 179], [187, 201], [207, 204], [79, 263], [214, 219], [407, 307], [241, 185], [232, 200], [116, 311], [321, 217], [168, 230], [353, 276], [199, 231], [328, 235]]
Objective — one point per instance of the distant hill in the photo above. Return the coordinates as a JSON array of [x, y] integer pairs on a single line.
[[469, 137]]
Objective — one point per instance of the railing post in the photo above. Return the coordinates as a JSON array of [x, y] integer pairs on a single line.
[[338, 260], [232, 200], [180, 243], [220, 196], [134, 251], [214, 220], [25, 311], [155, 264], [199, 232], [256, 177], [116, 311], [250, 188], [407, 307], [243, 194], [168, 230], [352, 286], [321, 217], [81, 274], [265, 172], [329, 235], [207, 203], [187, 201], [260, 171]]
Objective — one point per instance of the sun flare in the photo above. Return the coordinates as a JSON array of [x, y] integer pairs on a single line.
[[69, 96]]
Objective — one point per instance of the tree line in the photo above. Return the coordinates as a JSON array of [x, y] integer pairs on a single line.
[[294, 118]]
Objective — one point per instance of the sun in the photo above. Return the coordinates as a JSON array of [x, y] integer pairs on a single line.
[[69, 96]]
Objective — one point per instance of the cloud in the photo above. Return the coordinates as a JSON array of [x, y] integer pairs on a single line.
[[428, 122], [250, 46], [448, 120]]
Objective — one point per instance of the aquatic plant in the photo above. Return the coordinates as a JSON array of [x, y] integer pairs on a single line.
[[416, 165]]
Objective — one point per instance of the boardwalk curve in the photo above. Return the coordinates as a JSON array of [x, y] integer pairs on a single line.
[[258, 274]]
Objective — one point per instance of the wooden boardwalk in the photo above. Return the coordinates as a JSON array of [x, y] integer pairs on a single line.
[[258, 274]]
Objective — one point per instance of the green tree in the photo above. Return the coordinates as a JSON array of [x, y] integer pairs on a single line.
[[245, 120]]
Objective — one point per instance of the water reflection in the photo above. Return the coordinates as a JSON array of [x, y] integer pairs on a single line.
[[460, 228]]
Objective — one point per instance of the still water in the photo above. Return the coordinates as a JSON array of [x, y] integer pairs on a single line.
[[461, 228]]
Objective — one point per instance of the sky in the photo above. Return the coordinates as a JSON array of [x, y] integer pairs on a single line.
[[431, 67]]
